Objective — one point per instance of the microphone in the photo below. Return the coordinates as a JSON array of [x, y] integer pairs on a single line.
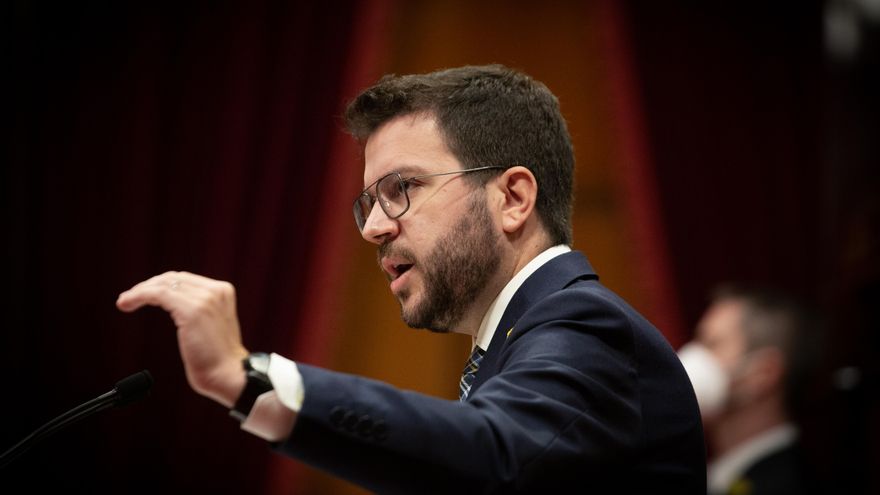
[[126, 391]]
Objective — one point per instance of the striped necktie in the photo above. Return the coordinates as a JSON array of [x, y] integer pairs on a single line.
[[469, 372]]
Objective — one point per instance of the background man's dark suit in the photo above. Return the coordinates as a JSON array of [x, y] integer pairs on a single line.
[[783, 472], [576, 390]]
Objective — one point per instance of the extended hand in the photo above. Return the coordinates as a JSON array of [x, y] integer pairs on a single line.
[[208, 332]]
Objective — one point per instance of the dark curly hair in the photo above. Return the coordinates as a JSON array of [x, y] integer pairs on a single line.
[[490, 116]]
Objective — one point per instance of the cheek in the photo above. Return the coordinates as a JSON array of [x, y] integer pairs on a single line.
[[727, 351], [724, 356], [728, 358], [422, 233]]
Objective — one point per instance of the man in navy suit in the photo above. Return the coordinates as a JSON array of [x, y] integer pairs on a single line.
[[468, 183]]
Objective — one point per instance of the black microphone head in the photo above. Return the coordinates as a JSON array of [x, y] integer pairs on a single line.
[[133, 387]]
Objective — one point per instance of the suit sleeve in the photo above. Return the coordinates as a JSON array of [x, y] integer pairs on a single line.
[[563, 401]]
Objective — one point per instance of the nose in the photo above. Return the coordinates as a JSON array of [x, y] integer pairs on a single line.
[[378, 227]]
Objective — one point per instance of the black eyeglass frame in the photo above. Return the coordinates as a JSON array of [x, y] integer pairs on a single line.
[[401, 184]]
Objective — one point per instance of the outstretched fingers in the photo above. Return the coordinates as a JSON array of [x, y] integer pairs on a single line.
[[170, 291]]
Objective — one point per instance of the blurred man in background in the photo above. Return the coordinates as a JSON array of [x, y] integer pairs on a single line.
[[754, 353]]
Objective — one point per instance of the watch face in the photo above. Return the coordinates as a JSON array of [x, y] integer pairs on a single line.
[[258, 361]]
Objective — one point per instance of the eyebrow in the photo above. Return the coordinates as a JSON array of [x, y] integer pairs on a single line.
[[410, 170], [405, 171]]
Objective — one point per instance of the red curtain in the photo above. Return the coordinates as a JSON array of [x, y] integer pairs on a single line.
[[205, 137], [732, 100], [143, 138]]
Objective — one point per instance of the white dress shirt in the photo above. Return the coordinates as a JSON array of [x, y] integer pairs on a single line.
[[274, 412]]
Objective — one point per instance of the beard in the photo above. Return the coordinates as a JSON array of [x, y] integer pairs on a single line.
[[460, 265]]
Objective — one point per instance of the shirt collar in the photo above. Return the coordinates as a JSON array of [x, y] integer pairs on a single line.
[[732, 465], [496, 309]]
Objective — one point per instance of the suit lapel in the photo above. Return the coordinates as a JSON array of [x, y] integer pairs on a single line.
[[553, 276]]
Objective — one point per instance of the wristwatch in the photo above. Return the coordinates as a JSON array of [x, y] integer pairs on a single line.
[[256, 365]]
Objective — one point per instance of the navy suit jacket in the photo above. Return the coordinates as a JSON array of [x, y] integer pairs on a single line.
[[577, 393]]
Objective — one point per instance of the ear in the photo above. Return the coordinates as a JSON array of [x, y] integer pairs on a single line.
[[518, 190]]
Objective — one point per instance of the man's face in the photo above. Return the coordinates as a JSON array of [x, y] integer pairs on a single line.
[[720, 331], [441, 254]]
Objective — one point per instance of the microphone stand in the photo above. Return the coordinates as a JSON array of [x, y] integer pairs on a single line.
[[127, 390]]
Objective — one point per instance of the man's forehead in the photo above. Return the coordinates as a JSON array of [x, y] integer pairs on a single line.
[[409, 145]]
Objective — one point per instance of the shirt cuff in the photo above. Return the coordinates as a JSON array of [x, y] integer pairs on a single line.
[[274, 412]]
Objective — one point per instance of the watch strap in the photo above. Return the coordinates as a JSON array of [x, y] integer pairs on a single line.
[[256, 367]]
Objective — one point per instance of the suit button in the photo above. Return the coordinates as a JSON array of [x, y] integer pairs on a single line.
[[380, 430], [349, 420], [364, 426], [337, 414]]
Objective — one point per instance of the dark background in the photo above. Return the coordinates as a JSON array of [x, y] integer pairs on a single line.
[[141, 138], [765, 133], [144, 138]]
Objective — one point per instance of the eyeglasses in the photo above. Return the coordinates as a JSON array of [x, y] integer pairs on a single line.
[[391, 192]]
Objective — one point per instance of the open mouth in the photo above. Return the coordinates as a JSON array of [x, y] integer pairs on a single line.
[[402, 268], [395, 267]]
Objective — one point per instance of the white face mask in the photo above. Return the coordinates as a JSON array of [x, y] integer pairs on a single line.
[[710, 381]]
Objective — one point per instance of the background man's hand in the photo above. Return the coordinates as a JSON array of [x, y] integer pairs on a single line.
[[208, 332]]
